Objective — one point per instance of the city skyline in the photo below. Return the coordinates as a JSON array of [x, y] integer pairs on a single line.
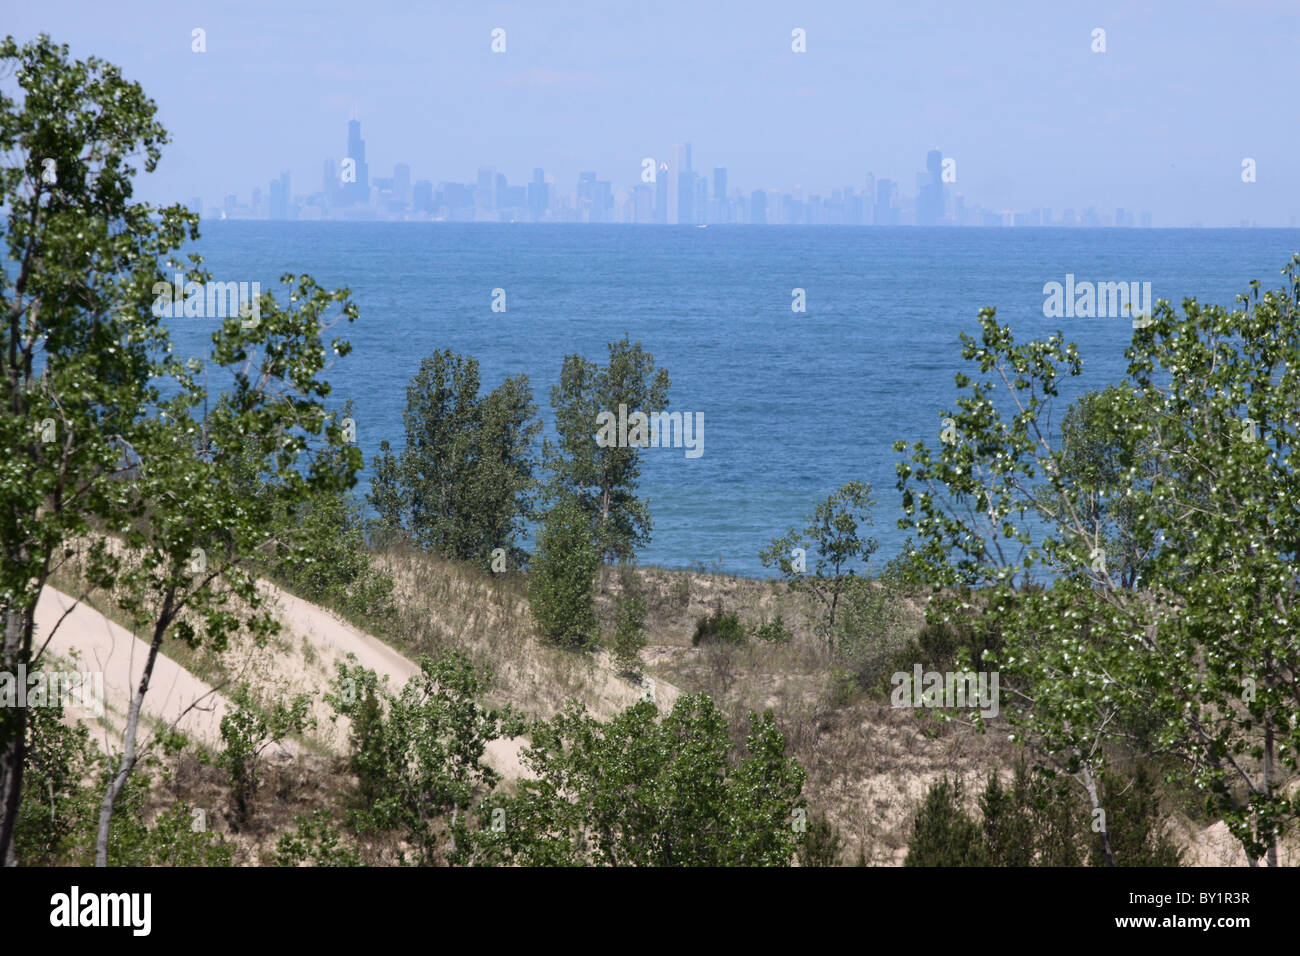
[[1113, 105], [669, 193]]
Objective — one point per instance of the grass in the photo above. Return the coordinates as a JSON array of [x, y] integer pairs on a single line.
[[868, 764]]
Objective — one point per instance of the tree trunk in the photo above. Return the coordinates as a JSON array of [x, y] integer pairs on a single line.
[[1090, 785], [1268, 780], [129, 754], [17, 647]]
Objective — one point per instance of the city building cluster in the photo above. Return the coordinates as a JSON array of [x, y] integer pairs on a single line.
[[669, 191]]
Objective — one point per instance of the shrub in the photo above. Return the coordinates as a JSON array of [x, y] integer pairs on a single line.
[[642, 790], [247, 732], [906, 572], [317, 842], [422, 750], [868, 632], [719, 627], [822, 843], [1138, 836], [942, 833], [561, 582], [773, 631], [629, 631]]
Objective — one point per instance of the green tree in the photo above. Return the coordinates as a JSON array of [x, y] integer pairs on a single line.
[[629, 623], [315, 842], [1035, 822], [833, 542], [1136, 827], [1204, 655], [462, 484], [432, 738], [104, 420], [822, 844], [1008, 827], [603, 479], [79, 340], [639, 791], [943, 834], [321, 553], [247, 730], [56, 809], [562, 577]]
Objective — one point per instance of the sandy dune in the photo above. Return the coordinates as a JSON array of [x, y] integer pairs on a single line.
[[86, 640], [315, 638]]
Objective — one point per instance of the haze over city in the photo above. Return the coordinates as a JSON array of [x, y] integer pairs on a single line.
[[1141, 125]]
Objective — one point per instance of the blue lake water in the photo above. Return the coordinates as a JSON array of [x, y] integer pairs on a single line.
[[794, 405]]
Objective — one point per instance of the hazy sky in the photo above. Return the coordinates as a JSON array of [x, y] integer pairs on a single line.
[[1013, 91]]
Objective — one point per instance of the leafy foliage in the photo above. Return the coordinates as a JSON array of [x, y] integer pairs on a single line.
[[629, 624], [562, 577], [723, 628], [603, 480], [418, 753], [1187, 468], [315, 842], [639, 791], [832, 542], [461, 486], [247, 730]]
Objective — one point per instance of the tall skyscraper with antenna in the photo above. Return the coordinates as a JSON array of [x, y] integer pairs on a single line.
[[357, 192]]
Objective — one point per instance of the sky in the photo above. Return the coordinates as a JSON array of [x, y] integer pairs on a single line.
[[1012, 91]]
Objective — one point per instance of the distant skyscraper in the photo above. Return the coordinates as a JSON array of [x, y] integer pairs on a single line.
[[585, 198], [718, 208], [929, 204], [643, 203], [758, 207], [484, 188], [701, 205], [885, 213], [329, 182], [279, 201], [359, 191], [538, 196], [681, 197], [423, 197], [662, 191], [402, 183], [595, 198]]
